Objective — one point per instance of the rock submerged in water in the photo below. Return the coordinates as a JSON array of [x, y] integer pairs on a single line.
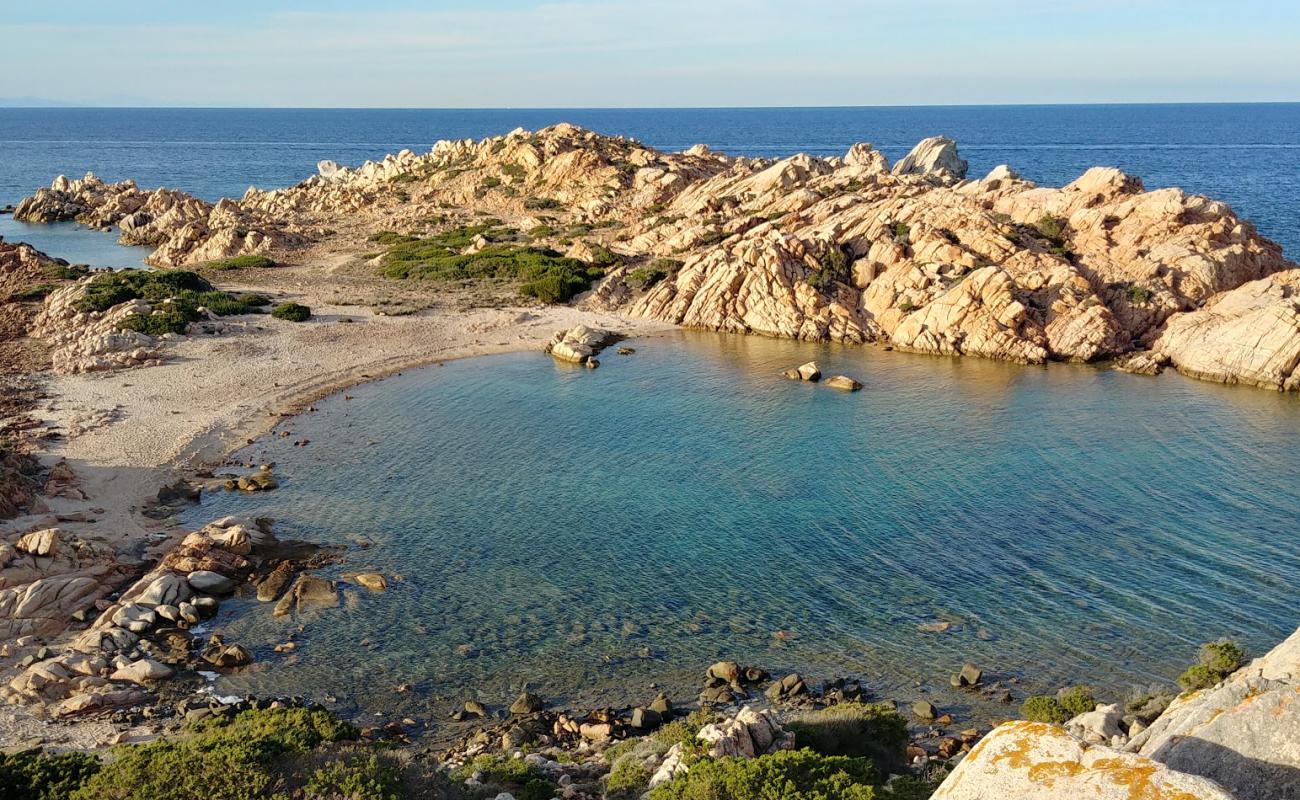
[[844, 383], [805, 372], [308, 591]]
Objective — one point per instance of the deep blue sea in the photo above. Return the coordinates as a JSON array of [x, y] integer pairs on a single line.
[[592, 532], [1246, 155]]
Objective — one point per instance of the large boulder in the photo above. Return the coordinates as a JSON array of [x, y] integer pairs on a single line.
[[934, 156], [1243, 733], [1036, 761]]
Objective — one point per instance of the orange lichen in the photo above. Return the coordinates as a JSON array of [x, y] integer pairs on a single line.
[[1137, 777]]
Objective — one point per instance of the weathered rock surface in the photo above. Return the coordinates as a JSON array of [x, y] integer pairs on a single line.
[[1243, 733], [1035, 761], [579, 344]]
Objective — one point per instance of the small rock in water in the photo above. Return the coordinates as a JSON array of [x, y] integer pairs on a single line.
[[527, 703], [940, 626], [372, 581], [924, 709], [843, 383]]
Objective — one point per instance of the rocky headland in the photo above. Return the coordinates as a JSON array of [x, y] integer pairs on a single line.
[[919, 257], [555, 240]]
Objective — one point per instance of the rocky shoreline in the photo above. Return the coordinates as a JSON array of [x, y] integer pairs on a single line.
[[97, 628]]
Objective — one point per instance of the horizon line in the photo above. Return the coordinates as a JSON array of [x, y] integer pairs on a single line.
[[54, 105]]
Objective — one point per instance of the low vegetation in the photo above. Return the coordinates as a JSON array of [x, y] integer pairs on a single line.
[[176, 295], [33, 776], [789, 775], [293, 312], [1077, 700], [541, 273], [859, 730], [241, 262], [1216, 662], [1044, 708]]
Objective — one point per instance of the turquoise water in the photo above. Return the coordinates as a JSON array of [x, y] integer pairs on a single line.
[[594, 531], [74, 243]]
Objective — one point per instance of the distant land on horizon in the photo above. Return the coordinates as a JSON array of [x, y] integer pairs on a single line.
[[45, 102]]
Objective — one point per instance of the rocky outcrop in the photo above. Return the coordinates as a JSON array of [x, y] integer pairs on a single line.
[[88, 341], [1249, 335], [182, 228], [99, 668], [934, 156], [580, 344], [1035, 761], [1243, 733], [840, 249]]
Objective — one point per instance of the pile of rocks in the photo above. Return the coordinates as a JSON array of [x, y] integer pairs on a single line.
[[89, 341], [140, 638]]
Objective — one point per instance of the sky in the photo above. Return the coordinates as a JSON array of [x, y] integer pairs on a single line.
[[646, 53]]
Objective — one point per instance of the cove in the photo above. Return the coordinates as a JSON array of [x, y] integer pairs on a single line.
[[592, 532]]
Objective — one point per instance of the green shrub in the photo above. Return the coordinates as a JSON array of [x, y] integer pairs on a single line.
[[603, 257], [33, 293], [498, 769], [35, 776], [628, 778], [1051, 229], [1217, 661], [490, 182], [907, 306], [392, 237], [542, 273], [860, 730], [65, 272], [293, 312], [902, 232], [541, 231], [787, 775], [404, 177], [362, 778], [1077, 700], [645, 277], [1137, 295], [156, 324], [1044, 708], [514, 170], [833, 268], [241, 262], [542, 203], [233, 758]]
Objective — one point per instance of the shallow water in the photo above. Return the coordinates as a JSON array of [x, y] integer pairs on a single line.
[[1072, 523], [74, 243]]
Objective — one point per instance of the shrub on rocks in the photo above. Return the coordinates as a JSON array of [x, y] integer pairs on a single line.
[[628, 778], [860, 730], [224, 758], [293, 312], [1044, 708], [1217, 661], [176, 296], [1077, 700], [789, 774]]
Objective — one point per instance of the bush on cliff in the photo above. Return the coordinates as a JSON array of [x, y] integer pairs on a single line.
[[789, 775], [1044, 708], [293, 312], [860, 730], [1217, 661]]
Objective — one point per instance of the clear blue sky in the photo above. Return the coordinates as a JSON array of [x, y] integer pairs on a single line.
[[580, 53]]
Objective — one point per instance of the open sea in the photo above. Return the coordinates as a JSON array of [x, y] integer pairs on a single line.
[[592, 532]]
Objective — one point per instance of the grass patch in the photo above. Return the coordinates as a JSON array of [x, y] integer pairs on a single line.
[[490, 182], [34, 293], [293, 312], [241, 262], [902, 232], [514, 171], [628, 778], [1138, 295]]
